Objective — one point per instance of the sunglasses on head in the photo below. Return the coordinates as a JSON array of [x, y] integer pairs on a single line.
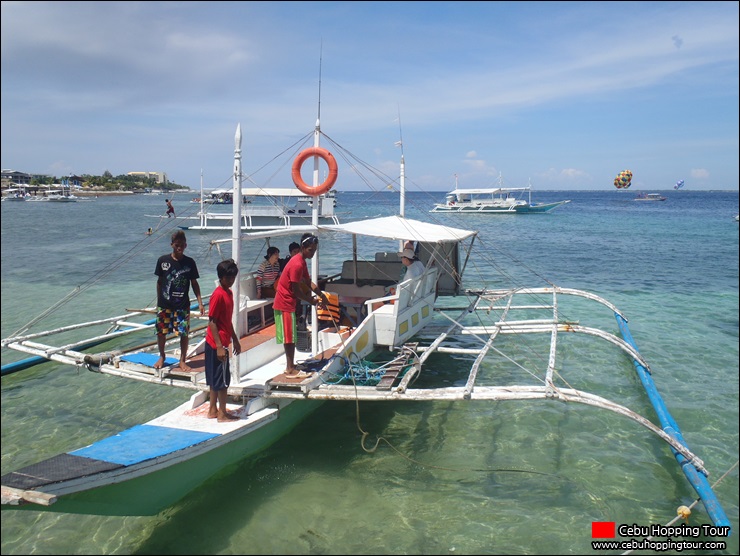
[[310, 240]]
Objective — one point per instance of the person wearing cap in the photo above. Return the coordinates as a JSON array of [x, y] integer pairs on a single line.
[[294, 284], [414, 267]]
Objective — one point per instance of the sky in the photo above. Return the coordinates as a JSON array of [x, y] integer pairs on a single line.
[[562, 95]]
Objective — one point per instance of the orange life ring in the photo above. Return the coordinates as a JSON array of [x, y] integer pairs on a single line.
[[331, 179]]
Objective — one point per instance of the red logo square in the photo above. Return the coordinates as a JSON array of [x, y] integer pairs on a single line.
[[603, 529]]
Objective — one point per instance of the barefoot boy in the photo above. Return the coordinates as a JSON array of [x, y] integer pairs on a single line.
[[175, 273], [219, 335]]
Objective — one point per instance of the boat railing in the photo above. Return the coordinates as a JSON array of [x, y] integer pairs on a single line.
[[407, 294]]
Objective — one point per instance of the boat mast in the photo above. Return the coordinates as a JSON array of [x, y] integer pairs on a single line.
[[399, 143], [236, 231], [202, 216], [315, 208], [315, 223]]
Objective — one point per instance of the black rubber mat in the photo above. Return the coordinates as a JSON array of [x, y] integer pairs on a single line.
[[59, 468]]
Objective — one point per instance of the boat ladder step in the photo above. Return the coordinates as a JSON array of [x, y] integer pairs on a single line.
[[394, 369]]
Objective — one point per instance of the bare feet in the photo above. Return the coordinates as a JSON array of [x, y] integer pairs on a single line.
[[212, 413], [226, 416], [160, 363], [184, 367]]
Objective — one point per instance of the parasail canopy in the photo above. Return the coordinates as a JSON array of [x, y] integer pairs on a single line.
[[679, 184], [623, 179]]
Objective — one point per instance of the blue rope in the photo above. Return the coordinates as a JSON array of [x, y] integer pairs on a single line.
[[359, 372]]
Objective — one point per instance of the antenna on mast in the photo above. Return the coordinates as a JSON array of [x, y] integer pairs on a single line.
[[399, 143], [321, 56]]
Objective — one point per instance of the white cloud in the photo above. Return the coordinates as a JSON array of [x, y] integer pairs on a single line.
[[700, 173]]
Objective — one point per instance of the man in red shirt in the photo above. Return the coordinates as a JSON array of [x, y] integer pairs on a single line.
[[294, 284]]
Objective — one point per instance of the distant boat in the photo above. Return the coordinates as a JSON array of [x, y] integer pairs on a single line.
[[493, 200], [63, 195], [650, 197], [61, 198], [266, 209], [15, 194]]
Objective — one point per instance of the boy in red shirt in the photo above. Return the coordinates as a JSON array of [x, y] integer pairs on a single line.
[[219, 335]]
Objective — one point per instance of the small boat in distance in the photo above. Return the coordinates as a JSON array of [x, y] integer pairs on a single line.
[[493, 200], [650, 197], [15, 194]]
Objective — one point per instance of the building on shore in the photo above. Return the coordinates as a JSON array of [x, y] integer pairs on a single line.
[[161, 177]]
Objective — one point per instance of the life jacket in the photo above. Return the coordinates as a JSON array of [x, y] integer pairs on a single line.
[[331, 310]]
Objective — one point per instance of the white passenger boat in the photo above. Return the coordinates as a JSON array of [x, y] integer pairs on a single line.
[[266, 208], [493, 200], [650, 197]]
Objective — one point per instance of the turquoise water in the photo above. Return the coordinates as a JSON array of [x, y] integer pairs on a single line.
[[478, 477]]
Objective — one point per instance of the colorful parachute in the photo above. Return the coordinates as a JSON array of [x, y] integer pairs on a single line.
[[679, 184], [623, 179]]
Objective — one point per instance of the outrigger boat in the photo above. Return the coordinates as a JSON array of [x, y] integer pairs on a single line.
[[493, 200], [262, 208], [144, 469], [650, 197], [268, 209]]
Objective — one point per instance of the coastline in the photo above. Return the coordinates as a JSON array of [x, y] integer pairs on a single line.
[[102, 193], [123, 193]]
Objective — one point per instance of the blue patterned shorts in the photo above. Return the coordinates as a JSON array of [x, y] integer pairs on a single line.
[[171, 321]]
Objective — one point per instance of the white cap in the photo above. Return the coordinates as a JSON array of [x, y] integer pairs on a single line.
[[408, 253]]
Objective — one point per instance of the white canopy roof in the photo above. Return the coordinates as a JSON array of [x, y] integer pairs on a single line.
[[487, 191], [273, 192], [396, 227], [388, 227], [264, 192]]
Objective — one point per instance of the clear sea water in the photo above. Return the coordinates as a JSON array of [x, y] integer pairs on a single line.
[[449, 484]]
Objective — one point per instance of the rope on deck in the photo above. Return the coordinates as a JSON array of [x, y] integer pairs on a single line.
[[358, 372]]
